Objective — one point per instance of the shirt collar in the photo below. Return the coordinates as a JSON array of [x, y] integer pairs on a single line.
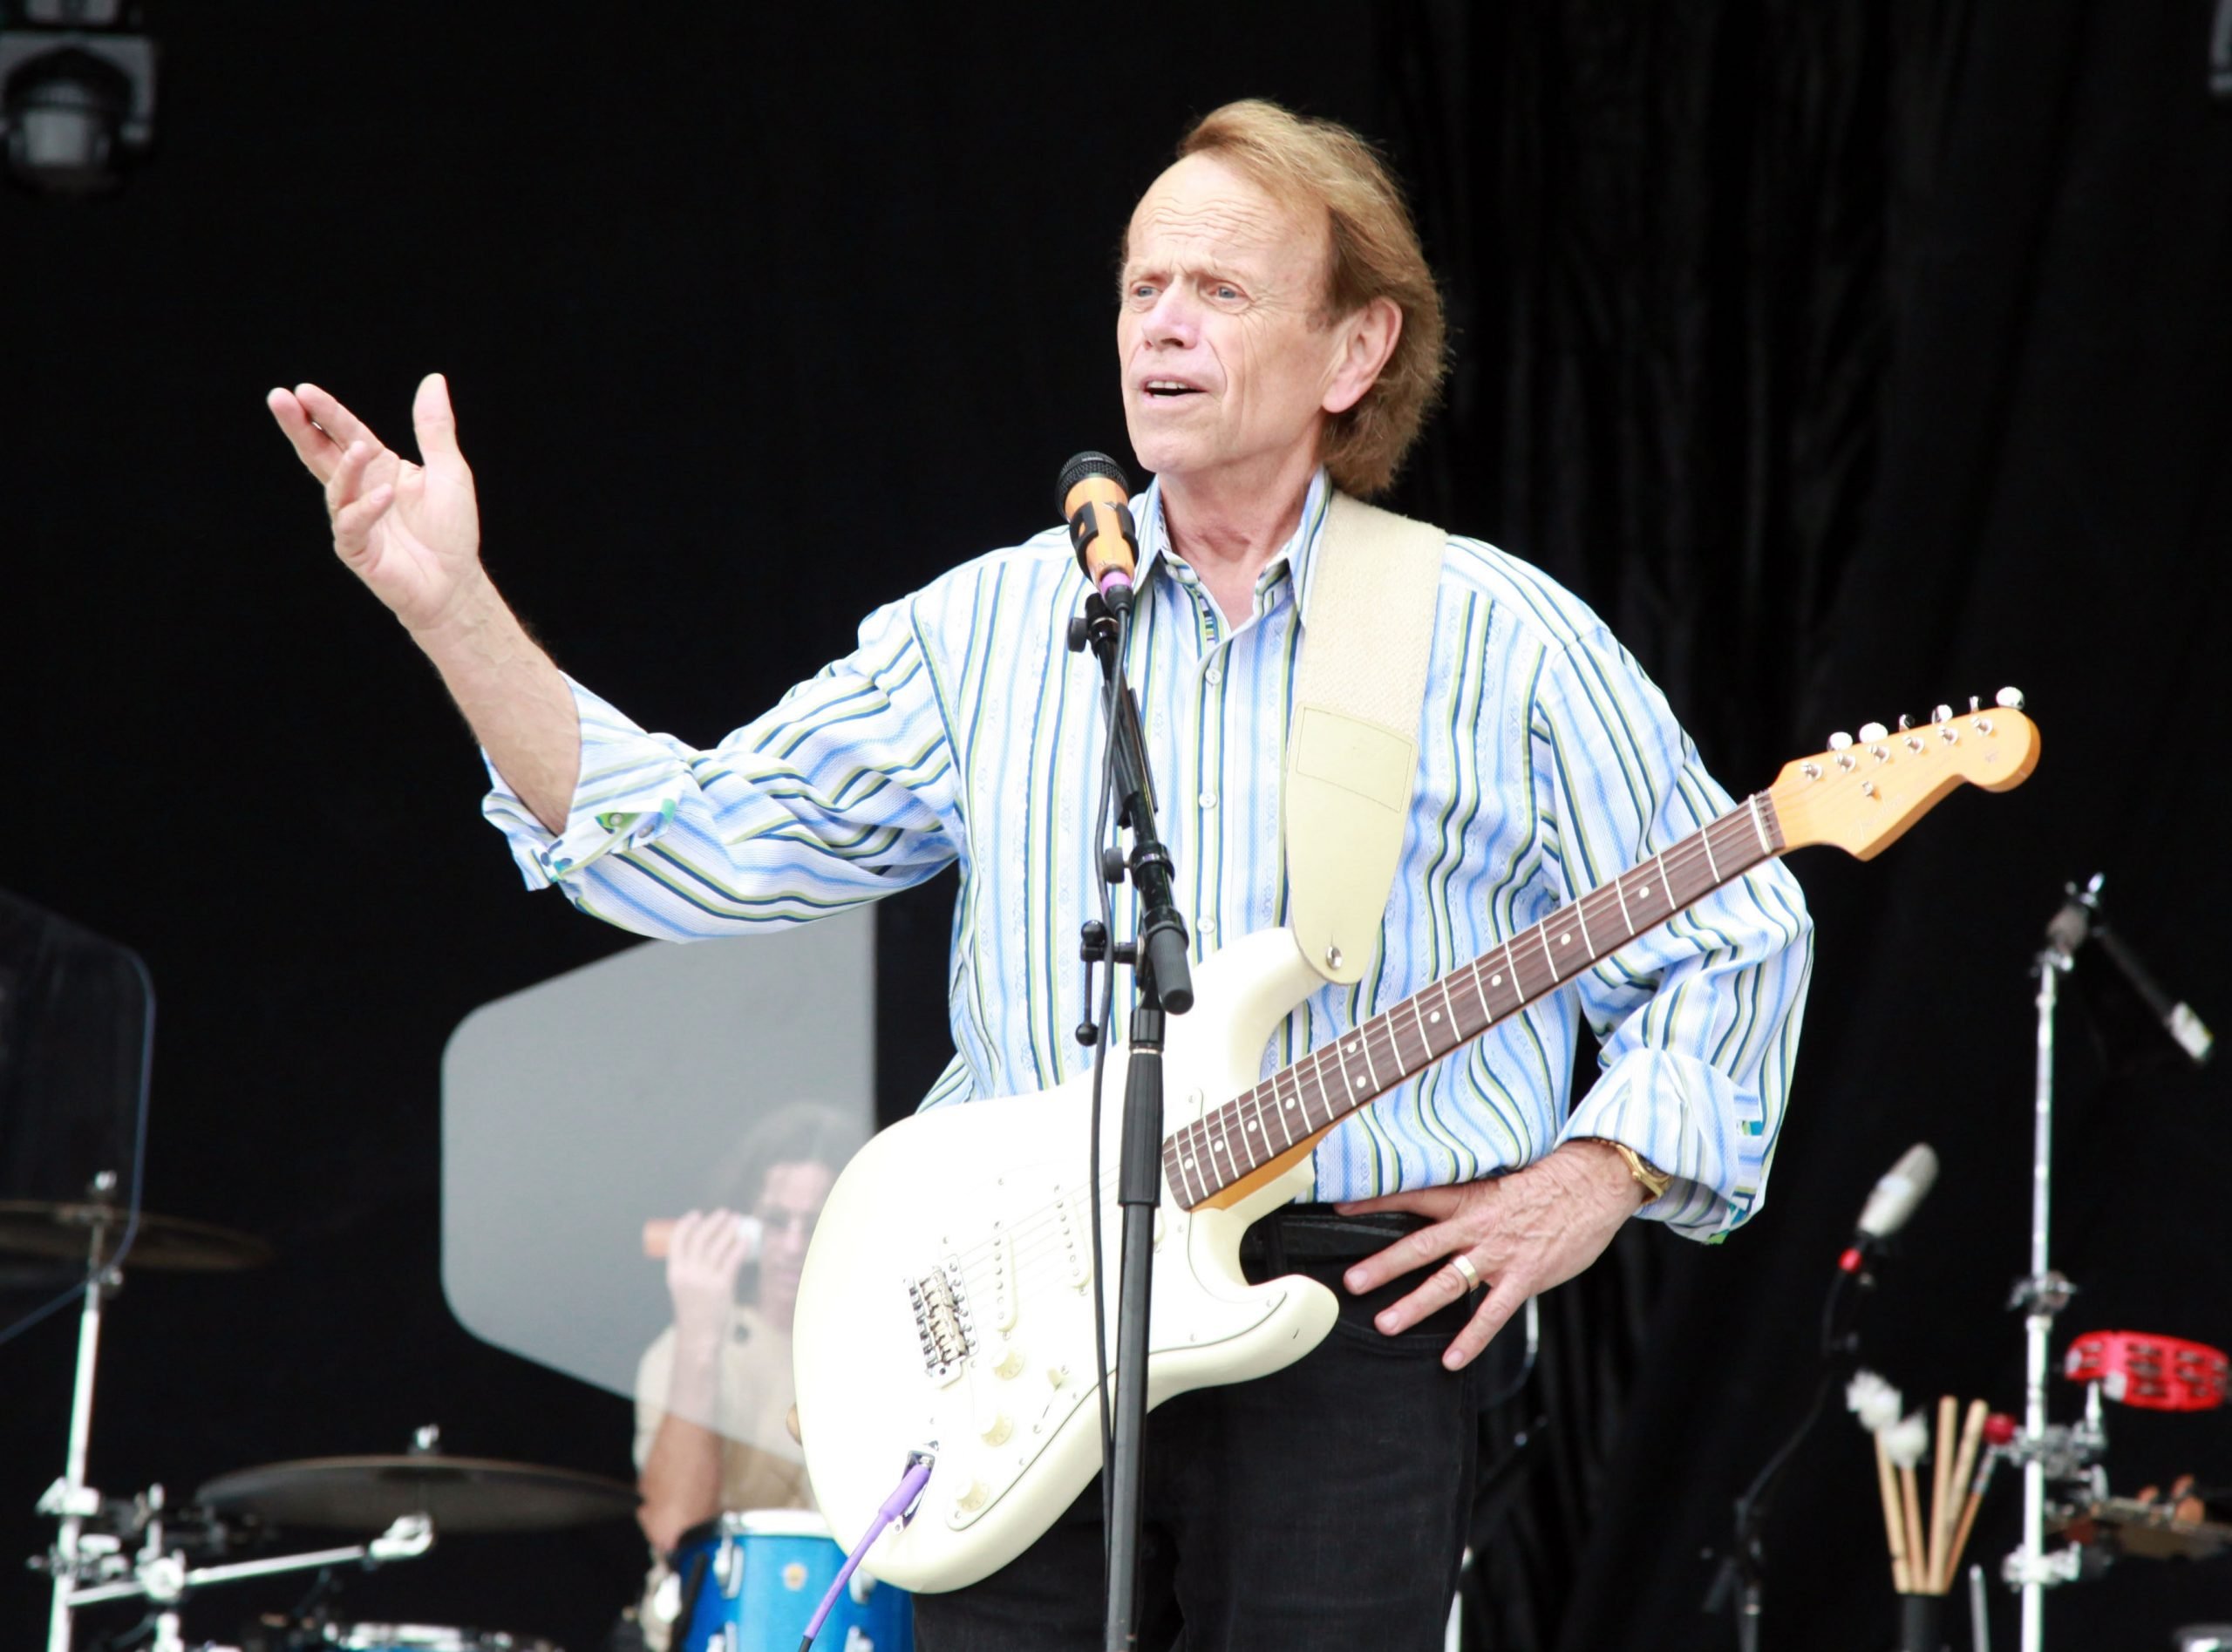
[[1299, 553]]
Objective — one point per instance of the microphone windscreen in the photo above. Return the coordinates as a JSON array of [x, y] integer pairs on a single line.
[[1903, 1187], [2067, 930], [1079, 467]]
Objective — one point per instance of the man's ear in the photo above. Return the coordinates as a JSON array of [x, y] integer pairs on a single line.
[[1367, 340]]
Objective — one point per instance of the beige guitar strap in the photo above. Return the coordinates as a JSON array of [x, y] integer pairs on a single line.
[[1352, 751]]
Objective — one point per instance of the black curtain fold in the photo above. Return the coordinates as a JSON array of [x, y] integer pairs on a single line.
[[1849, 359]]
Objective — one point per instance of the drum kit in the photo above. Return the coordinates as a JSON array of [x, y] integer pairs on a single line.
[[111, 1550], [752, 1578]]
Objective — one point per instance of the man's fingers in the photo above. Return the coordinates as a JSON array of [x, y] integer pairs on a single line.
[[1437, 1202], [335, 420], [346, 480], [1439, 1289], [317, 451], [1406, 1255], [1504, 1298], [353, 523], [436, 423]]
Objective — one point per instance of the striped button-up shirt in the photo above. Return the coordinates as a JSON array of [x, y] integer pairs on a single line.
[[963, 731]]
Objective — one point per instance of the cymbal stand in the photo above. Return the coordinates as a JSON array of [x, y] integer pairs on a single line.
[[70, 1497], [89, 1569], [166, 1579], [2062, 1451]]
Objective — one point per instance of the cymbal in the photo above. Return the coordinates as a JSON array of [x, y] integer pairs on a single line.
[[458, 1493], [64, 1232]]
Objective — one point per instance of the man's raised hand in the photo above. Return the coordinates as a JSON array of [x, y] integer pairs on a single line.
[[410, 531]]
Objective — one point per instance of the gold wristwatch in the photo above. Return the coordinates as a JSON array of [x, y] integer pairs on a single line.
[[1654, 1181]]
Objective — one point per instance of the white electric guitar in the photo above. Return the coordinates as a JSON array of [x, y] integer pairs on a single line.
[[947, 1301]]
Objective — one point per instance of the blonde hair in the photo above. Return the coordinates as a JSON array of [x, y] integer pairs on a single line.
[[1307, 165]]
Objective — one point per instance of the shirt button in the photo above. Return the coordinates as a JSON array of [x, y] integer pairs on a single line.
[[1208, 800], [1206, 924], [1214, 675]]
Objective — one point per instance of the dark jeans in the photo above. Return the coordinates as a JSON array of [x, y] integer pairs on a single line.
[[1320, 1507]]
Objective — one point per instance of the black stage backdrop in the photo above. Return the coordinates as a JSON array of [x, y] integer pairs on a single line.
[[1848, 357]]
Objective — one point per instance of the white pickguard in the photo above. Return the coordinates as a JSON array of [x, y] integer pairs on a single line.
[[989, 1200]]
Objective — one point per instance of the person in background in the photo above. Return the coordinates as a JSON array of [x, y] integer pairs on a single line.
[[713, 1392]]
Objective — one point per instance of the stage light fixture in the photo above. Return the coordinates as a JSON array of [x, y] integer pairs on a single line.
[[77, 92]]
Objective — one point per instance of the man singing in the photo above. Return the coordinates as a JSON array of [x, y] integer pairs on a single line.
[[1279, 339]]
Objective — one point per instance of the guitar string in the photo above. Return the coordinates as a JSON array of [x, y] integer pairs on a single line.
[[977, 1261], [1379, 1036]]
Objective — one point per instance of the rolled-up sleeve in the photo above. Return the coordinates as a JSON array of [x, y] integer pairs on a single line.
[[843, 792], [1698, 1020]]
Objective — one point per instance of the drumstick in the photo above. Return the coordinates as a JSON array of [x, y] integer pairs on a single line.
[[1894, 1528], [1998, 1431], [1972, 1435], [658, 1236], [1917, 1550], [1941, 1493]]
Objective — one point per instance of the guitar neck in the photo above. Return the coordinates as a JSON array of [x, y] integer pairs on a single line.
[[1234, 1147]]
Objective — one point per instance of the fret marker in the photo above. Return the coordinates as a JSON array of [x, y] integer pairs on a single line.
[[1290, 1103], [1566, 939], [1495, 980], [1435, 1016], [1189, 1161], [1354, 1048], [1251, 1123]]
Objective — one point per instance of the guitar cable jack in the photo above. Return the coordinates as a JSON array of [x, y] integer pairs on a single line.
[[896, 1508]]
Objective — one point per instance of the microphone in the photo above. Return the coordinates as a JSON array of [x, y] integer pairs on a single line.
[[2081, 920], [1094, 499], [1893, 1201]]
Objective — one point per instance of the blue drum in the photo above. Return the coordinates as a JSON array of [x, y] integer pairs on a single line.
[[759, 1576]]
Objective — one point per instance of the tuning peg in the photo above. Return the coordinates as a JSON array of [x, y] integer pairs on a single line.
[[2010, 699], [1941, 714], [1839, 742], [1871, 732], [1905, 723]]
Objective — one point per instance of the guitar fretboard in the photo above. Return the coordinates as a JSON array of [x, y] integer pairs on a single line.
[[1232, 1142]]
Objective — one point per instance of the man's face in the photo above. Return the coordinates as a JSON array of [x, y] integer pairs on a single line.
[[790, 1199], [1226, 364]]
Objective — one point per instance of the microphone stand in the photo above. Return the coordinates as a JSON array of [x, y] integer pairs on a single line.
[[1742, 1573], [1162, 980]]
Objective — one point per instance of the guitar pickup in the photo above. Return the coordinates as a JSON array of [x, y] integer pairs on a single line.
[[940, 1300], [1076, 1235], [1003, 1307]]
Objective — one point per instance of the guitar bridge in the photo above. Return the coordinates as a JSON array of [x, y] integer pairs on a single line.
[[942, 1320]]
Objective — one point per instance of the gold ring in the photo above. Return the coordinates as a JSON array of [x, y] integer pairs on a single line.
[[1466, 1272]]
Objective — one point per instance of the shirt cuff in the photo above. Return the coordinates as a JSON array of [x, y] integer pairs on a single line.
[[632, 786], [1669, 1109]]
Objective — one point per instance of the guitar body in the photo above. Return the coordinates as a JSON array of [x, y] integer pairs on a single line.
[[947, 1300]]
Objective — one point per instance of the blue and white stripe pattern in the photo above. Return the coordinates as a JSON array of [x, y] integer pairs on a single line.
[[962, 729]]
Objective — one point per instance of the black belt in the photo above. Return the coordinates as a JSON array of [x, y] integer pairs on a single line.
[[1320, 1233]]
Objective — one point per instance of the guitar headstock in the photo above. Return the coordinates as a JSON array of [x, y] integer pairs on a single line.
[[1862, 794]]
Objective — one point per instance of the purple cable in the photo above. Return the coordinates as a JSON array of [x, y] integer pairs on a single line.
[[918, 1472]]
